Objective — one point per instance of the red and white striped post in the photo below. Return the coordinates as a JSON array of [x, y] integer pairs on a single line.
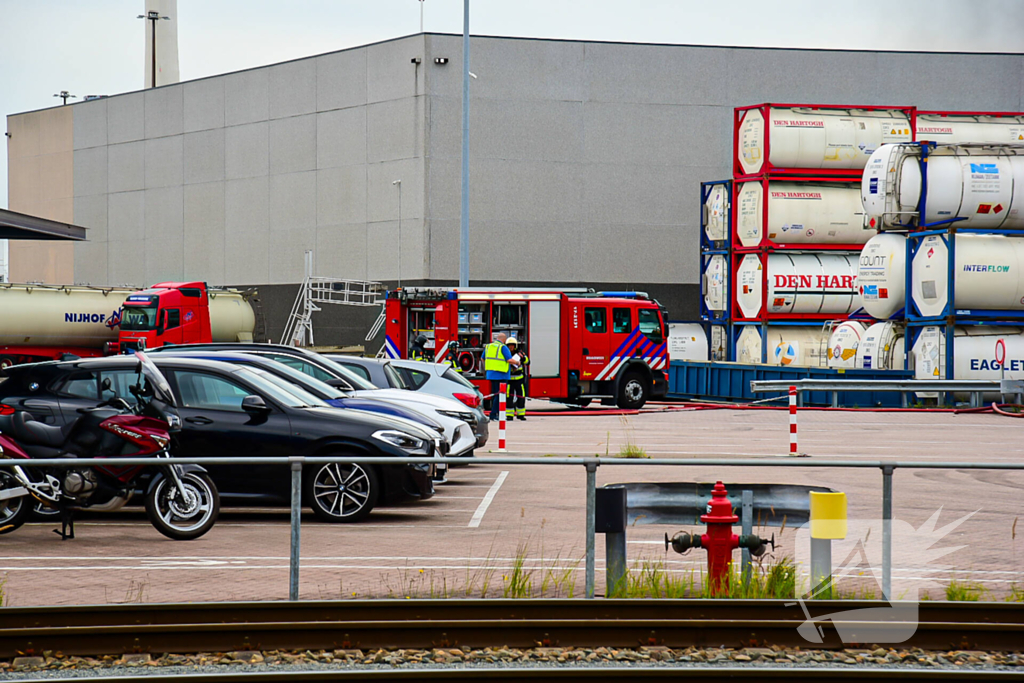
[[501, 418], [792, 421]]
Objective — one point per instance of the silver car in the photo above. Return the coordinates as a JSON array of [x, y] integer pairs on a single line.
[[436, 379]]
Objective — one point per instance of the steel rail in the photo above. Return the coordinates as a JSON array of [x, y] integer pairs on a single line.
[[578, 674], [425, 624]]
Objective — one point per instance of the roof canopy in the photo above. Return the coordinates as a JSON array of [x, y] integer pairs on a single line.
[[20, 226]]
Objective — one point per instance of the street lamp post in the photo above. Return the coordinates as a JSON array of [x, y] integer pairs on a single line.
[[153, 17], [399, 183], [464, 232], [64, 95], [421, 16]]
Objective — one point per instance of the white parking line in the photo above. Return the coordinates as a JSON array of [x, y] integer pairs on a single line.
[[481, 509]]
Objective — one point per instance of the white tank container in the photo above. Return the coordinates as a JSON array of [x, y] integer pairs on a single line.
[[716, 213], [786, 345], [687, 341], [974, 353], [843, 344], [231, 317], [821, 283], [816, 138], [50, 315], [799, 214], [952, 128], [718, 345], [989, 274], [716, 283], [986, 190], [882, 347], [881, 275]]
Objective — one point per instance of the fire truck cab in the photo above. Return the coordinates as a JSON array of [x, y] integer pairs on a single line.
[[583, 345]]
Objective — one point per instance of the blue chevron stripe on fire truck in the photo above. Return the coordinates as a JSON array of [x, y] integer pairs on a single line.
[[636, 345], [390, 348]]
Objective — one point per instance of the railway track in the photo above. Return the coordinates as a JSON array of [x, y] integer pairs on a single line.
[[424, 624]]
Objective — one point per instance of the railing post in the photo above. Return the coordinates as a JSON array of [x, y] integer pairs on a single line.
[[591, 511], [747, 528], [293, 565], [887, 471]]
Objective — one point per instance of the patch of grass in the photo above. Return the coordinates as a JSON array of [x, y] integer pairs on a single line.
[[518, 583], [630, 449], [771, 578], [965, 591], [1016, 594], [3, 591]]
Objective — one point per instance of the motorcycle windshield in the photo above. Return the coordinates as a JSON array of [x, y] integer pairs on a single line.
[[161, 387]]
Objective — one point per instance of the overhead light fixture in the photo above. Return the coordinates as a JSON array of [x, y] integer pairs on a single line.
[[416, 60], [441, 61]]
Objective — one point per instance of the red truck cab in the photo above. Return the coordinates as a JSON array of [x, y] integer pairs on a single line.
[[166, 313]]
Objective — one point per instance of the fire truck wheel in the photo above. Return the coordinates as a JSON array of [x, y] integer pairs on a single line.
[[632, 391], [342, 492]]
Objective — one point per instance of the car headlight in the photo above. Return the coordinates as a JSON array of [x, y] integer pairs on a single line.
[[457, 415], [407, 442]]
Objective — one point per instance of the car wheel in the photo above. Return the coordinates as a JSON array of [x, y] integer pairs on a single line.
[[342, 492], [632, 391]]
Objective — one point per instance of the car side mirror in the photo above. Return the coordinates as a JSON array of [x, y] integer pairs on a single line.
[[161, 319], [339, 383], [255, 404], [105, 384]]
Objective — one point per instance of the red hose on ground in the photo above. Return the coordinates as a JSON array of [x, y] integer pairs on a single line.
[[996, 408]]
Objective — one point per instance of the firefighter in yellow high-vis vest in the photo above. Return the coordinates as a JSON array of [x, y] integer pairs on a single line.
[[515, 406], [497, 361]]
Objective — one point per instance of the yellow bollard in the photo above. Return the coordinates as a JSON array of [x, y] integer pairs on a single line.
[[828, 522]]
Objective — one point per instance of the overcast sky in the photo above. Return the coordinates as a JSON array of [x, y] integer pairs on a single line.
[[95, 47]]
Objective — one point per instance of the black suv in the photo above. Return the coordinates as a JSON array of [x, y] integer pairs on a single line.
[[272, 422]]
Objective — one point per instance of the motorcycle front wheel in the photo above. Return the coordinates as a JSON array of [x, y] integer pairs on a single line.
[[188, 516], [13, 511]]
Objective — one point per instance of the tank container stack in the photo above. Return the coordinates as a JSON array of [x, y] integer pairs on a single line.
[[945, 274], [790, 259]]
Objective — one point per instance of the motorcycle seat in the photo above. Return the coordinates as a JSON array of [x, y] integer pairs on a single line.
[[29, 431]]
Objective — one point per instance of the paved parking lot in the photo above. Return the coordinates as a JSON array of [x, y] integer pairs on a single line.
[[467, 538]]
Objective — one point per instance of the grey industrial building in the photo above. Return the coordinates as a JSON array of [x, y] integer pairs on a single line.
[[585, 160]]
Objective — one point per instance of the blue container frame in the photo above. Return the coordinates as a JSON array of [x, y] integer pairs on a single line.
[[706, 314], [706, 245], [763, 325]]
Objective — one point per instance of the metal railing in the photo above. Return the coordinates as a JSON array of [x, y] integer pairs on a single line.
[[296, 464], [974, 387]]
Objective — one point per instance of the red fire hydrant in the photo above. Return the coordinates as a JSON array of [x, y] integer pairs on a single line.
[[719, 540]]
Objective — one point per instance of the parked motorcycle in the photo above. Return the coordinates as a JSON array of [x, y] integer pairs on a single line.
[[181, 500]]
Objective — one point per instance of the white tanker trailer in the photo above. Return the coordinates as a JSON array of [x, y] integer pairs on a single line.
[[800, 214], [981, 186], [814, 138], [47, 322]]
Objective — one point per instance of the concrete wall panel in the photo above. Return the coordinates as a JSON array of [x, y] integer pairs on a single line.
[[293, 144], [90, 169], [126, 217], [394, 129], [204, 156], [341, 195], [631, 264], [204, 238], [126, 165], [341, 137], [126, 262], [983, 82], [91, 263], [246, 230], [292, 202], [246, 99], [164, 217], [390, 73], [665, 75], [246, 151], [91, 213], [203, 103], [656, 135], [126, 118], [292, 88], [341, 79], [616, 193], [526, 190], [164, 162], [341, 251], [287, 247], [90, 124], [164, 260], [382, 194], [164, 111]]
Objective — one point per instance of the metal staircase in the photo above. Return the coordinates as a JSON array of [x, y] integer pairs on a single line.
[[314, 291]]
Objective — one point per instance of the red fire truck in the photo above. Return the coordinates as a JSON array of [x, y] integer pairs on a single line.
[[583, 345]]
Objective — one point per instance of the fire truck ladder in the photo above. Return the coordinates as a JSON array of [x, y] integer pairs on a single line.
[[313, 291]]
